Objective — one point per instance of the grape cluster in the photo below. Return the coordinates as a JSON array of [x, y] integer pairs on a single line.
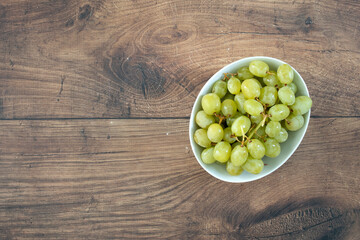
[[247, 116]]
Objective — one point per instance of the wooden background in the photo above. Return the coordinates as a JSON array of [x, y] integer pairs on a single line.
[[95, 99]]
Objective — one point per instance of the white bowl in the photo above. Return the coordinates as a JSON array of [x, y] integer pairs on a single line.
[[287, 148]]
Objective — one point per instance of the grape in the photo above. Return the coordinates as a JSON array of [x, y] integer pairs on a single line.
[[201, 138], [211, 103], [240, 100], [233, 170], [268, 95], [285, 74], [207, 155], [220, 88], [244, 73], [272, 148], [279, 112], [256, 148], [250, 88], [271, 79], [282, 136], [241, 123], [294, 122], [293, 87], [260, 133], [239, 155], [273, 129], [253, 165], [230, 120], [222, 151], [228, 107], [204, 120], [228, 96], [286, 95], [257, 81], [215, 132], [259, 68], [256, 119], [227, 135], [234, 85], [253, 107], [302, 105]]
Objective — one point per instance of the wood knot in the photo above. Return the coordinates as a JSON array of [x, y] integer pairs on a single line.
[[85, 12], [140, 72], [69, 23], [171, 35], [308, 21]]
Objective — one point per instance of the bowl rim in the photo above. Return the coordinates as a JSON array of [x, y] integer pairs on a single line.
[[202, 92]]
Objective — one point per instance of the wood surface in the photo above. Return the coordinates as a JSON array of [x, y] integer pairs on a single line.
[[95, 99]]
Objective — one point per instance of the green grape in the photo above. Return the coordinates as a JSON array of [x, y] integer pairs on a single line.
[[203, 120], [250, 88], [230, 120], [239, 155], [244, 73], [257, 81], [293, 87], [211, 103], [271, 79], [227, 135], [207, 155], [256, 148], [302, 105], [233, 170], [279, 112], [260, 133], [286, 95], [228, 107], [268, 95], [253, 165], [222, 151], [273, 129], [234, 85], [285, 74], [256, 119], [201, 138], [294, 122], [240, 100], [272, 148], [228, 96], [259, 68], [253, 107], [282, 136], [220, 88], [241, 125], [215, 132]]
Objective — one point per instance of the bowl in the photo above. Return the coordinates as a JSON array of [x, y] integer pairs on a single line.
[[218, 170]]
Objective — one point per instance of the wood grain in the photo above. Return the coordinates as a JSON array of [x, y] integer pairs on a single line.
[[95, 98], [143, 59], [105, 179]]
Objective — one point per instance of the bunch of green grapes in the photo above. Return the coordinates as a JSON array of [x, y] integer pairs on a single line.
[[247, 115]]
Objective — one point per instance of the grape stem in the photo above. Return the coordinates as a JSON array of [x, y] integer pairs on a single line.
[[261, 124], [226, 77]]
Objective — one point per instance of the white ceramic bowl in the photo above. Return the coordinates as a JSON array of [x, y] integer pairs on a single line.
[[287, 148]]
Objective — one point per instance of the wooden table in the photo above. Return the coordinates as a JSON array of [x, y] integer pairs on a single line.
[[95, 99]]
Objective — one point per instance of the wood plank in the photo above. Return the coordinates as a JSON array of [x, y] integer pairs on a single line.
[[123, 59], [91, 179]]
